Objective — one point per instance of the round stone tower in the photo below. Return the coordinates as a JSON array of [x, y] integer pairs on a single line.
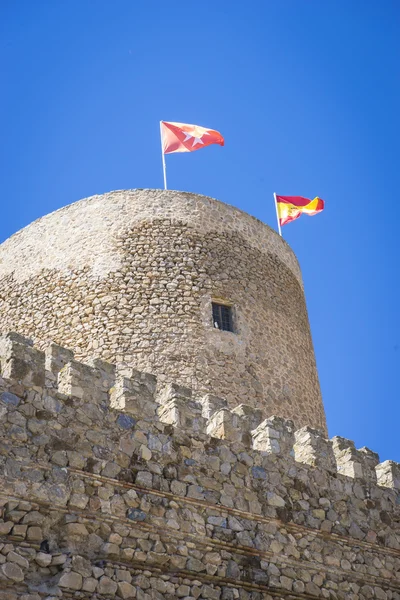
[[176, 284]]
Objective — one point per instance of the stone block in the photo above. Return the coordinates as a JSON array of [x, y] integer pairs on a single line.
[[20, 361], [275, 435], [250, 417], [358, 464], [388, 474], [43, 559], [312, 448], [212, 404], [71, 581], [179, 409], [107, 586], [81, 565], [183, 414], [18, 559], [108, 370], [20, 531], [89, 584], [172, 391], [75, 531], [135, 394], [12, 571], [225, 425], [34, 534], [83, 382], [126, 590], [6, 527], [369, 461], [56, 357], [346, 457]]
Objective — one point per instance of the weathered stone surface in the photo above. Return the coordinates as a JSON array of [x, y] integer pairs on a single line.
[[116, 484], [89, 584], [136, 515], [132, 279], [76, 530], [18, 559], [126, 590], [42, 559], [82, 565], [71, 581], [107, 586], [34, 534], [12, 571], [6, 527]]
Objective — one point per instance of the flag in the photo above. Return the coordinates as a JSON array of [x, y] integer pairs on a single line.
[[180, 137], [290, 208]]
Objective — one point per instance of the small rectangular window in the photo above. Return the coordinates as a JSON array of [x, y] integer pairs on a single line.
[[222, 316]]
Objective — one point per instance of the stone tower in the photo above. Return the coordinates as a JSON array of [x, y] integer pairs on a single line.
[[147, 454], [131, 276]]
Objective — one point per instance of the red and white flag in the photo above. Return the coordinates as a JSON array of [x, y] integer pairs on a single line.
[[181, 137]]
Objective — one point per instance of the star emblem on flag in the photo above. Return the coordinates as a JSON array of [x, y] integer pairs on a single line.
[[193, 136], [182, 137]]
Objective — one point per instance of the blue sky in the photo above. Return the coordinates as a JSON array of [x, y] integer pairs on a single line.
[[307, 95]]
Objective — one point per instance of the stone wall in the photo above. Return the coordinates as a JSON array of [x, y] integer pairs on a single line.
[[112, 486], [130, 276]]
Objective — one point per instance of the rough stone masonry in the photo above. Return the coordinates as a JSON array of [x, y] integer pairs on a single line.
[[205, 480], [130, 276], [112, 489]]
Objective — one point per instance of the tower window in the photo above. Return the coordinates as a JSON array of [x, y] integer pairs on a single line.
[[222, 316]]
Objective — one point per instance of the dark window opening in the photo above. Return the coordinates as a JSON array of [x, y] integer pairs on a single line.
[[222, 316]]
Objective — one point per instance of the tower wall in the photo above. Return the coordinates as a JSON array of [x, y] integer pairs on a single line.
[[129, 277]]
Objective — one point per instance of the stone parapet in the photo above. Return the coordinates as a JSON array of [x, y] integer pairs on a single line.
[[111, 487]]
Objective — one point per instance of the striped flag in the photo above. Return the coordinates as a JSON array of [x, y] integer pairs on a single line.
[[290, 208]]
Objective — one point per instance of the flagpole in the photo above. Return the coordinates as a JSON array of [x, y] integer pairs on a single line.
[[163, 159], [277, 215]]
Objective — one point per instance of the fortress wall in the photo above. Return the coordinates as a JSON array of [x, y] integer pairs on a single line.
[[129, 277], [110, 487]]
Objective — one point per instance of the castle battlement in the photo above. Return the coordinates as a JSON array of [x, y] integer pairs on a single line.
[[115, 484], [122, 388]]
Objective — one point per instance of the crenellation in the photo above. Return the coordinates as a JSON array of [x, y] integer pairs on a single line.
[[274, 436], [225, 425], [212, 404], [80, 380], [98, 381], [56, 358], [369, 461], [346, 457], [359, 464], [172, 391], [118, 483], [178, 408], [144, 384], [20, 361], [106, 371], [135, 394], [250, 417], [312, 448], [388, 474]]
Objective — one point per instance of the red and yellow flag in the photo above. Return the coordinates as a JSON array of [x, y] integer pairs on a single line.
[[180, 137], [291, 208]]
